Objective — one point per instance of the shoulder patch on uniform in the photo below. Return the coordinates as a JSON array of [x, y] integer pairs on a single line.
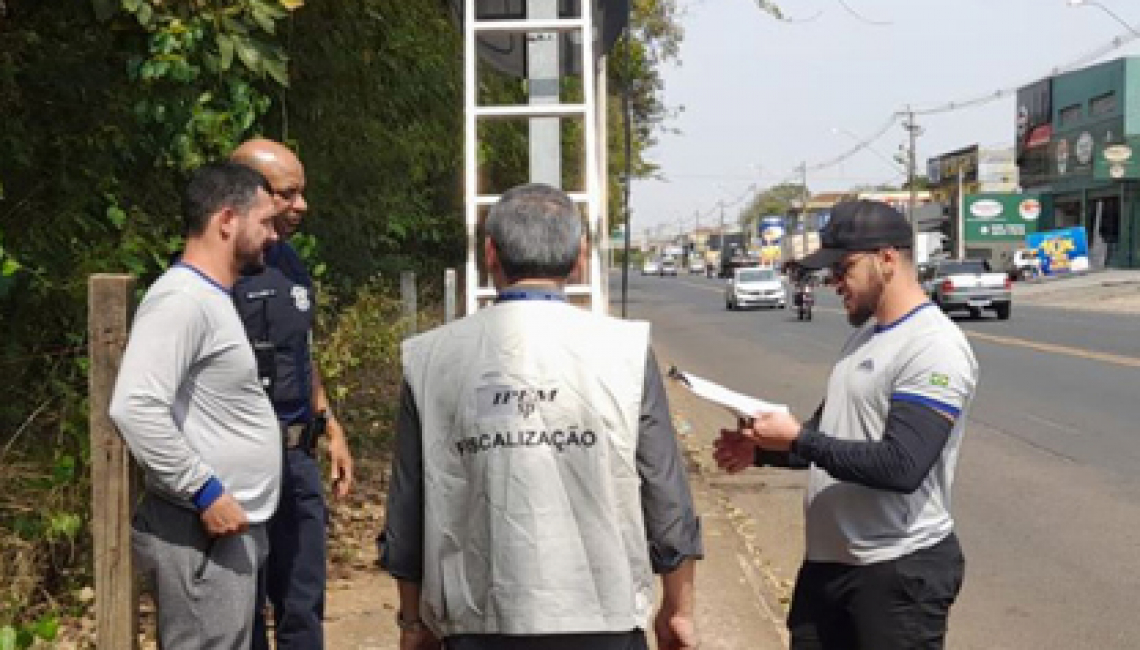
[[300, 297], [939, 379]]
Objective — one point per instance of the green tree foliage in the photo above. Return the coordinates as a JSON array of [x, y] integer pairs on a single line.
[[374, 108], [776, 200], [634, 68]]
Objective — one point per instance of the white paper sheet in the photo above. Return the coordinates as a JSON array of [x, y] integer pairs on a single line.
[[741, 405]]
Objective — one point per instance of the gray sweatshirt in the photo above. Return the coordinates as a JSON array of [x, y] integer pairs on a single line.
[[188, 402]]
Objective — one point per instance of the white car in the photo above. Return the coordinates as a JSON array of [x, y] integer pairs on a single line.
[[668, 267], [755, 287], [696, 267], [650, 267]]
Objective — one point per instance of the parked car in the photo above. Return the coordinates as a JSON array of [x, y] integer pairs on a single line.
[[696, 266], [755, 287], [650, 267], [967, 284], [1024, 265], [668, 267]]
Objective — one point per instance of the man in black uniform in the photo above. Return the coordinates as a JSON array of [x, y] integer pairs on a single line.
[[276, 305]]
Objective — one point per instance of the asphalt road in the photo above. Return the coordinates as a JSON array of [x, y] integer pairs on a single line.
[[1047, 500]]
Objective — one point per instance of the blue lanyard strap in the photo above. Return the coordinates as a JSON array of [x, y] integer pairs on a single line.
[[523, 294]]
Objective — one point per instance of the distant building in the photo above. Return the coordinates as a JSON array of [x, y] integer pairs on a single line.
[[1078, 146], [977, 170]]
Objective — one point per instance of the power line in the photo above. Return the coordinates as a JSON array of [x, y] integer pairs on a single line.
[[861, 18], [1114, 44], [937, 109]]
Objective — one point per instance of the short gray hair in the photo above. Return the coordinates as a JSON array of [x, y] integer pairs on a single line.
[[537, 232]]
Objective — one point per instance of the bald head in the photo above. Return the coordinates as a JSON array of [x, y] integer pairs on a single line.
[[281, 167], [264, 155]]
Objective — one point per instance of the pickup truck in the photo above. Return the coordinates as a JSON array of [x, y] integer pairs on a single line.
[[967, 284]]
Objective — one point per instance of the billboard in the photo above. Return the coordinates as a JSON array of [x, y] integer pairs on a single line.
[[1061, 251], [772, 231], [995, 217]]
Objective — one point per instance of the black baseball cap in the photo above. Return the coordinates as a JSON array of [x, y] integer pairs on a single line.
[[859, 226]]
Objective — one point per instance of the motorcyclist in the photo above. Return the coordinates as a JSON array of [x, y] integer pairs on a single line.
[[804, 298]]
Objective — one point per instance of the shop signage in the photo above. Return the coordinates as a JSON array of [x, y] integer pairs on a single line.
[[1077, 153], [1118, 161], [1000, 217], [1061, 251]]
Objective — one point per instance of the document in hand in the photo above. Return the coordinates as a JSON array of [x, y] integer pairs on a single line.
[[742, 405]]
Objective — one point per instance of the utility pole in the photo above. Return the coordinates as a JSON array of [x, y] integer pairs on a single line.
[[696, 223], [913, 131], [720, 232], [960, 226], [803, 209]]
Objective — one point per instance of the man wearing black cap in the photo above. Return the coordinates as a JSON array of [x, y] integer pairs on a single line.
[[883, 565]]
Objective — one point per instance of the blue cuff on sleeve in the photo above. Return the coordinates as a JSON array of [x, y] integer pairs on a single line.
[[208, 494], [935, 404]]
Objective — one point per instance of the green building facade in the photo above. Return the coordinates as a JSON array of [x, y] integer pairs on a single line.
[[1076, 135]]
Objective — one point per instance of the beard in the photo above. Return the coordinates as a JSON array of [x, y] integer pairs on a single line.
[[864, 307], [250, 258]]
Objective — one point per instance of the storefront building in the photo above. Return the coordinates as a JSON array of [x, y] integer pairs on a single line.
[[974, 170], [1076, 133]]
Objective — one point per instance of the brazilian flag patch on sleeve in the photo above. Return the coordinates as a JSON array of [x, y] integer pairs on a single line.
[[939, 379]]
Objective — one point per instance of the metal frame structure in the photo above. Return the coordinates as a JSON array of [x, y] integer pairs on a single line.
[[590, 196]]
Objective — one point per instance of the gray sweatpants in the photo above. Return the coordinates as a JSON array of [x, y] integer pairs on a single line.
[[204, 587]]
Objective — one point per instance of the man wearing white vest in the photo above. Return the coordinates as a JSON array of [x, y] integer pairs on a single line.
[[537, 484]]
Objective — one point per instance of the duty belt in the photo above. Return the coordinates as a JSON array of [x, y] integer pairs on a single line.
[[293, 435]]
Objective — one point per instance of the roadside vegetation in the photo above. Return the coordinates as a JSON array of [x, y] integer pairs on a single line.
[[107, 104]]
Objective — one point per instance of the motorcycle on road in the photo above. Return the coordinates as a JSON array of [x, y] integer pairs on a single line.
[[804, 300]]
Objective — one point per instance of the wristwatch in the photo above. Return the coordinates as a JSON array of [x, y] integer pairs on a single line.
[[414, 625]]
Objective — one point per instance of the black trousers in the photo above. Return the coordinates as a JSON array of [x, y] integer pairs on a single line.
[[294, 573], [895, 605]]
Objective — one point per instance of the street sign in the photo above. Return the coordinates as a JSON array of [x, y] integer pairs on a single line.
[[1001, 217]]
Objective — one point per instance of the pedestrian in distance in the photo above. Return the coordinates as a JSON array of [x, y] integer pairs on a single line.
[[537, 481], [883, 565], [277, 306], [189, 405]]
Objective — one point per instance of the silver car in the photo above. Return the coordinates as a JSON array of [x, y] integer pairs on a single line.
[[755, 287]]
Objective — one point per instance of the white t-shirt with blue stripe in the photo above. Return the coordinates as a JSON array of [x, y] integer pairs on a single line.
[[925, 358]]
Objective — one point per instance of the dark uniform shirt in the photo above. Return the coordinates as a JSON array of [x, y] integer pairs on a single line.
[[277, 306]]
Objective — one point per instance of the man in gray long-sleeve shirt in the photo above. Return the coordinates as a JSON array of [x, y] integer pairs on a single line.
[[189, 404], [538, 483]]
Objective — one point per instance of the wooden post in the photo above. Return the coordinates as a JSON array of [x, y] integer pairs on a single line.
[[408, 294], [448, 295], [109, 310]]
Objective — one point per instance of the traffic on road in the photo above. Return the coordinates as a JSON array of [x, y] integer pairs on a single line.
[[1047, 493]]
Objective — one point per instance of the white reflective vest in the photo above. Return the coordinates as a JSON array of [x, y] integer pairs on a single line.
[[532, 514]]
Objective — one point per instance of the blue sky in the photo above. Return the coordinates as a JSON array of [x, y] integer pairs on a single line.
[[759, 96]]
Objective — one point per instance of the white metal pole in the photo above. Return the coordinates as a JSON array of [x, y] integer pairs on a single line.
[[543, 88], [471, 161], [593, 170]]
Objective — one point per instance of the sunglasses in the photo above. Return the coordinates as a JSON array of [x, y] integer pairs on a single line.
[[840, 269], [287, 195]]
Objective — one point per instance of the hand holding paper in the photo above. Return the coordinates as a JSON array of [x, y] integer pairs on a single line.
[[741, 405]]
